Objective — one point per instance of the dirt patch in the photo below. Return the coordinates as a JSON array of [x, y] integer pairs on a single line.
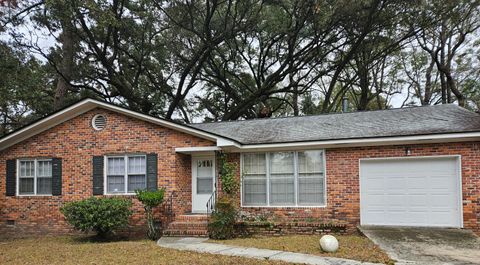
[[74, 250], [351, 246]]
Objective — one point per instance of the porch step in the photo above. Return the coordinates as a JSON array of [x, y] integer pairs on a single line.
[[188, 225], [181, 232], [192, 218]]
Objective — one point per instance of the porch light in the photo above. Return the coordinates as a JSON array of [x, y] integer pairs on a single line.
[[408, 151]]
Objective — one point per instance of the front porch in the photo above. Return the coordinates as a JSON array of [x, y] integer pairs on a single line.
[[190, 209]]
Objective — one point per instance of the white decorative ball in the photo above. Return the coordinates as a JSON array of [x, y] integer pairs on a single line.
[[329, 243]]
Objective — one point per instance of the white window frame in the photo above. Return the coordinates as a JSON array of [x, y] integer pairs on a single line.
[[125, 174], [35, 166], [295, 164]]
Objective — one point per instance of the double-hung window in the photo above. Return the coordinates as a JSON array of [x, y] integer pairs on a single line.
[[311, 180], [125, 174], [254, 179], [283, 179], [35, 177]]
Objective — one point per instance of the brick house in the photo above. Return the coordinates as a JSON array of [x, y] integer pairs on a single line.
[[404, 167]]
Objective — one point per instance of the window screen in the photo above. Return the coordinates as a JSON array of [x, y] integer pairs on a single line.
[[254, 179], [310, 178], [125, 174], [26, 178], [137, 178], [205, 176], [44, 177], [116, 175], [35, 177], [282, 179]]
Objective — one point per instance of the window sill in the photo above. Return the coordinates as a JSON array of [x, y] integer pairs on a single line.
[[119, 194], [33, 195], [279, 206]]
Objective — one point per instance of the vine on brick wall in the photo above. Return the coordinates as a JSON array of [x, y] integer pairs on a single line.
[[228, 177]]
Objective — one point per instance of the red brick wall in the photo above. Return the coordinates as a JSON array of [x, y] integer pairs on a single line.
[[343, 198], [75, 141]]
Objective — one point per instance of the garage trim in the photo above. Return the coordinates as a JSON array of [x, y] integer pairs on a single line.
[[458, 159]]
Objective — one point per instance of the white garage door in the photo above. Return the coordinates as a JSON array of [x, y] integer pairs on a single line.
[[410, 192]]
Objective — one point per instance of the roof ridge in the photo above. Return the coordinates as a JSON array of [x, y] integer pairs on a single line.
[[333, 113]]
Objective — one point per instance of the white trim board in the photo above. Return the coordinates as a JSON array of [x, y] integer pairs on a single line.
[[377, 141], [197, 150]]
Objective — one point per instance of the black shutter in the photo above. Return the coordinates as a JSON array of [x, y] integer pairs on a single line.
[[56, 176], [97, 175], [152, 171], [11, 179]]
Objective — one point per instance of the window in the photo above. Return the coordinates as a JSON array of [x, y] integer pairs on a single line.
[[254, 179], [35, 177], [283, 179], [204, 176], [310, 178], [125, 174]]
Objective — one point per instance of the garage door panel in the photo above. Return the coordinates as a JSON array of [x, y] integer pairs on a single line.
[[376, 200], [410, 218], [375, 184], [442, 200], [441, 218], [377, 216], [417, 182], [416, 200], [396, 183], [393, 200], [410, 192]]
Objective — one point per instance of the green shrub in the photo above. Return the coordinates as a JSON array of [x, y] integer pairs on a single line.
[[222, 221], [150, 200], [102, 215]]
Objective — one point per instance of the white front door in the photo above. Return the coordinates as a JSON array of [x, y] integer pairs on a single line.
[[203, 182], [411, 192]]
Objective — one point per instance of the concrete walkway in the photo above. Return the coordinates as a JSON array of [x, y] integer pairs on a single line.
[[199, 245]]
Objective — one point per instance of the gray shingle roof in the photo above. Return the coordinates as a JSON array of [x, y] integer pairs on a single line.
[[395, 122]]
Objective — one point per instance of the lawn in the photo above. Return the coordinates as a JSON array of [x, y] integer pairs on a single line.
[[351, 246], [79, 250]]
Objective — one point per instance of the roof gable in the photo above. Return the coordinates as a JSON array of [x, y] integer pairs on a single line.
[[86, 105]]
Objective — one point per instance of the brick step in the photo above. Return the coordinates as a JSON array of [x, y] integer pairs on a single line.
[[194, 225], [188, 225], [191, 218], [183, 232]]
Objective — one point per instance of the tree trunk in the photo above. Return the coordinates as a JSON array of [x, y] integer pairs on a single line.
[[66, 65], [453, 87], [294, 96], [444, 88], [364, 85], [425, 100]]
